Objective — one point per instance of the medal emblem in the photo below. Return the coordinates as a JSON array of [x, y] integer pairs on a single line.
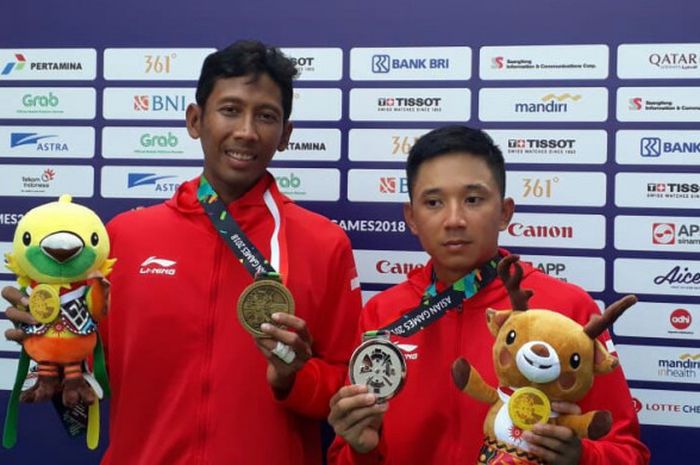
[[378, 364], [44, 303], [259, 301], [527, 407]]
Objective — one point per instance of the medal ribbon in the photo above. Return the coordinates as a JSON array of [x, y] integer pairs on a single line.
[[435, 305], [241, 246]]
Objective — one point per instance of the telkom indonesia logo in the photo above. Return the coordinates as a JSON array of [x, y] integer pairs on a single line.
[[14, 65], [663, 233], [155, 265], [497, 62], [636, 103]]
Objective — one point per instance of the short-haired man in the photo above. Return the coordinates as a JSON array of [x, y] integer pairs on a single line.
[[456, 179], [190, 385]]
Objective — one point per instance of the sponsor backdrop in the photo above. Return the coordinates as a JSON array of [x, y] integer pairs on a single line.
[[595, 107]]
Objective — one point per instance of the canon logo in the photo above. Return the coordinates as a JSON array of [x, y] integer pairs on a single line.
[[681, 318], [387, 267], [519, 229]]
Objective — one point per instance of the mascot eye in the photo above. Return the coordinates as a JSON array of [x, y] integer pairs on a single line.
[[26, 239], [575, 360], [510, 338], [94, 239]]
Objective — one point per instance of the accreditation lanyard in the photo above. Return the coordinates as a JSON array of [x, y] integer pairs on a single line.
[[241, 246], [435, 305]]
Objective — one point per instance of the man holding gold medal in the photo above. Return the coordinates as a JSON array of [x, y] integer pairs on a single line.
[[456, 185], [233, 310]]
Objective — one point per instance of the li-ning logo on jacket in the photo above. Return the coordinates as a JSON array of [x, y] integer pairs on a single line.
[[155, 265]]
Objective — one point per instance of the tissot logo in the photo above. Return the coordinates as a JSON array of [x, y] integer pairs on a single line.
[[680, 318], [674, 60], [158, 266], [664, 233], [144, 179], [673, 188], [520, 229], [530, 144], [389, 267], [402, 102]]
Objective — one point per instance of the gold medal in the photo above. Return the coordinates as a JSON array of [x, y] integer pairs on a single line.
[[259, 301], [44, 303], [527, 407]]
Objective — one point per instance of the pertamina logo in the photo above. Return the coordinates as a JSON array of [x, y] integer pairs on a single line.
[[18, 139], [158, 266], [307, 146], [680, 318], [555, 104], [155, 103], [541, 230], [663, 233], [385, 63], [393, 185], [148, 179], [14, 65]]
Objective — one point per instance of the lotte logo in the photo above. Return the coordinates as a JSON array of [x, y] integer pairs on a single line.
[[636, 404], [680, 318], [663, 233]]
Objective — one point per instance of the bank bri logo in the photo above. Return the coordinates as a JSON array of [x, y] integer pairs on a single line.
[[144, 179], [14, 65]]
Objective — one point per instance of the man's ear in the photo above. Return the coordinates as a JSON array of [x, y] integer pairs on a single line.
[[507, 209], [408, 216], [193, 119], [286, 134]]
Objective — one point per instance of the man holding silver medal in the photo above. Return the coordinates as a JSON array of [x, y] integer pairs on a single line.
[[233, 310], [456, 185]]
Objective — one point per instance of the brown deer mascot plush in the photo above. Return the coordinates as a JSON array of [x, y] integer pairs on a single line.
[[539, 356]]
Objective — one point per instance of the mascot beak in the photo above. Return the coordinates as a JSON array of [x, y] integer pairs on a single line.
[[62, 246]]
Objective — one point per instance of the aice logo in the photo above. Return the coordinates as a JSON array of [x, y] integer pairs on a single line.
[[676, 276], [153, 140], [663, 233], [680, 318], [31, 101], [497, 62], [393, 185], [288, 182], [14, 65], [158, 266], [145, 179], [159, 103], [554, 104], [650, 146], [636, 103]]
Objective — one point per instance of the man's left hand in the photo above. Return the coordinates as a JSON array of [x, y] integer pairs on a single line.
[[286, 351], [557, 445]]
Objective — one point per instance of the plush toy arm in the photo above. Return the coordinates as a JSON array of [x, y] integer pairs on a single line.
[[592, 425], [96, 298], [12, 265], [469, 381]]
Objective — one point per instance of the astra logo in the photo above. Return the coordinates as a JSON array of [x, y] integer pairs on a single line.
[[144, 179], [393, 185], [159, 103], [26, 138], [158, 266], [636, 103], [497, 62], [522, 230], [384, 63], [650, 146], [388, 267], [663, 233], [680, 318], [553, 105], [14, 65]]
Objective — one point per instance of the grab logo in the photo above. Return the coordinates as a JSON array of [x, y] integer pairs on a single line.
[[680, 318]]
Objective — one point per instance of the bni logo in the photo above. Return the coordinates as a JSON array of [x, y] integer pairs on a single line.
[[650, 147], [14, 65], [663, 233], [144, 179], [381, 64], [26, 138], [393, 185], [142, 103]]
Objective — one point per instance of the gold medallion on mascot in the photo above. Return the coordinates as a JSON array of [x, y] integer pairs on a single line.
[[44, 303], [527, 407], [259, 301]]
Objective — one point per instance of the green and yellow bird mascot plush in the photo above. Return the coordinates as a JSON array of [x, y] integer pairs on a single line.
[[60, 255]]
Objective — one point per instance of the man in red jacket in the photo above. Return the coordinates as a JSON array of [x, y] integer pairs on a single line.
[[456, 180], [190, 386]]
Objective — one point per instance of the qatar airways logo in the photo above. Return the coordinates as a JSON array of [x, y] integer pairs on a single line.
[[158, 266], [389, 267], [547, 231]]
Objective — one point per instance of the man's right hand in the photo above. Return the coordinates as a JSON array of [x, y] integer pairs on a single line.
[[14, 313], [357, 417]]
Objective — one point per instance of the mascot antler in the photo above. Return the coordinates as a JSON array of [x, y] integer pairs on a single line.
[[518, 297], [598, 323]]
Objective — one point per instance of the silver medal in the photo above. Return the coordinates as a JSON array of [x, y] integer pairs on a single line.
[[380, 365]]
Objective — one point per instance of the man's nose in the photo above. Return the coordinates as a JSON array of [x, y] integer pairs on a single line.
[[245, 128], [455, 216]]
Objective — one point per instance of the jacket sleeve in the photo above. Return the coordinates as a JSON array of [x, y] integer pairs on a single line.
[[611, 392], [333, 329]]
